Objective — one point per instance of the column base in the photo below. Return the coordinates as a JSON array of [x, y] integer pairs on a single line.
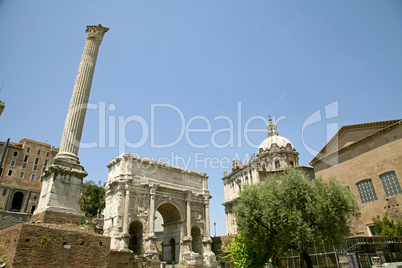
[[60, 193]]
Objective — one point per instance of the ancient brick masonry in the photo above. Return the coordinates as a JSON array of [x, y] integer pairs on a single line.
[[49, 245]]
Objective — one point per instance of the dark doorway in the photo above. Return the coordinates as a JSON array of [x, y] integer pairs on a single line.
[[16, 204], [135, 242], [173, 250]]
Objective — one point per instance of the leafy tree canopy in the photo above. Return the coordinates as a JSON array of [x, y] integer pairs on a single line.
[[244, 254], [387, 227], [92, 198], [291, 211]]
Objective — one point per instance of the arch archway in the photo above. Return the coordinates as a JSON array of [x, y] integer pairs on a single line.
[[172, 221], [196, 243], [16, 204], [135, 241]]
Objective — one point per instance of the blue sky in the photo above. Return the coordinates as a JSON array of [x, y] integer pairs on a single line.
[[203, 63]]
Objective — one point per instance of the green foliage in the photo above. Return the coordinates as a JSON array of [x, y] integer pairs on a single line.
[[245, 255], [44, 240], [3, 254], [92, 198], [387, 227], [85, 225], [292, 211]]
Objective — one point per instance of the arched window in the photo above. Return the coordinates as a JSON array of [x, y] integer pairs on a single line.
[[277, 164]]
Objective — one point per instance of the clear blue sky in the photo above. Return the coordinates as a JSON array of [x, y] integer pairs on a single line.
[[206, 62]]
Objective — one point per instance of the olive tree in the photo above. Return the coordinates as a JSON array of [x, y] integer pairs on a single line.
[[292, 211]]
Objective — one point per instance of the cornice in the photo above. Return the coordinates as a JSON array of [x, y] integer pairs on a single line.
[[321, 155], [131, 157]]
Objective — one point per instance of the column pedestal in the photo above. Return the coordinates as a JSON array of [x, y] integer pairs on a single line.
[[60, 195]]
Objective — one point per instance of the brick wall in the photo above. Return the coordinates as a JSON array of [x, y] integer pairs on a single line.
[[51, 245], [368, 161], [9, 239], [8, 219], [56, 218]]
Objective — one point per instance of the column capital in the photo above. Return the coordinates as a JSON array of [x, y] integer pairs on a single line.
[[206, 198], [152, 188], [188, 196], [96, 32]]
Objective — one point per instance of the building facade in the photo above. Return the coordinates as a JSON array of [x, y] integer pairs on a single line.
[[367, 158], [21, 176], [274, 154], [136, 189]]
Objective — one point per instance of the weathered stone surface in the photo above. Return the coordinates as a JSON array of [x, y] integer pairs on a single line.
[[137, 187], [126, 258], [8, 219], [51, 245], [192, 259]]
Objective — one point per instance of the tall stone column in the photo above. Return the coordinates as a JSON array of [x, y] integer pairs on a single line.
[[206, 211], [150, 239], [208, 255], [61, 187], [188, 212], [126, 214], [187, 246], [74, 123]]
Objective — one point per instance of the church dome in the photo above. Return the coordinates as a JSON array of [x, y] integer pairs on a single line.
[[273, 138]]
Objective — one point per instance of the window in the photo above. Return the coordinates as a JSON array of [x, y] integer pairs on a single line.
[[41, 178], [43, 169], [25, 158], [24, 165], [47, 154], [4, 192], [277, 164], [12, 164], [366, 191], [32, 177], [35, 168], [45, 163], [291, 163], [10, 172], [28, 150], [36, 161], [15, 153], [38, 153], [22, 174], [390, 184]]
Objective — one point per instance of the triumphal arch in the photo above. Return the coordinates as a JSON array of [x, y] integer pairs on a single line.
[[136, 188]]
